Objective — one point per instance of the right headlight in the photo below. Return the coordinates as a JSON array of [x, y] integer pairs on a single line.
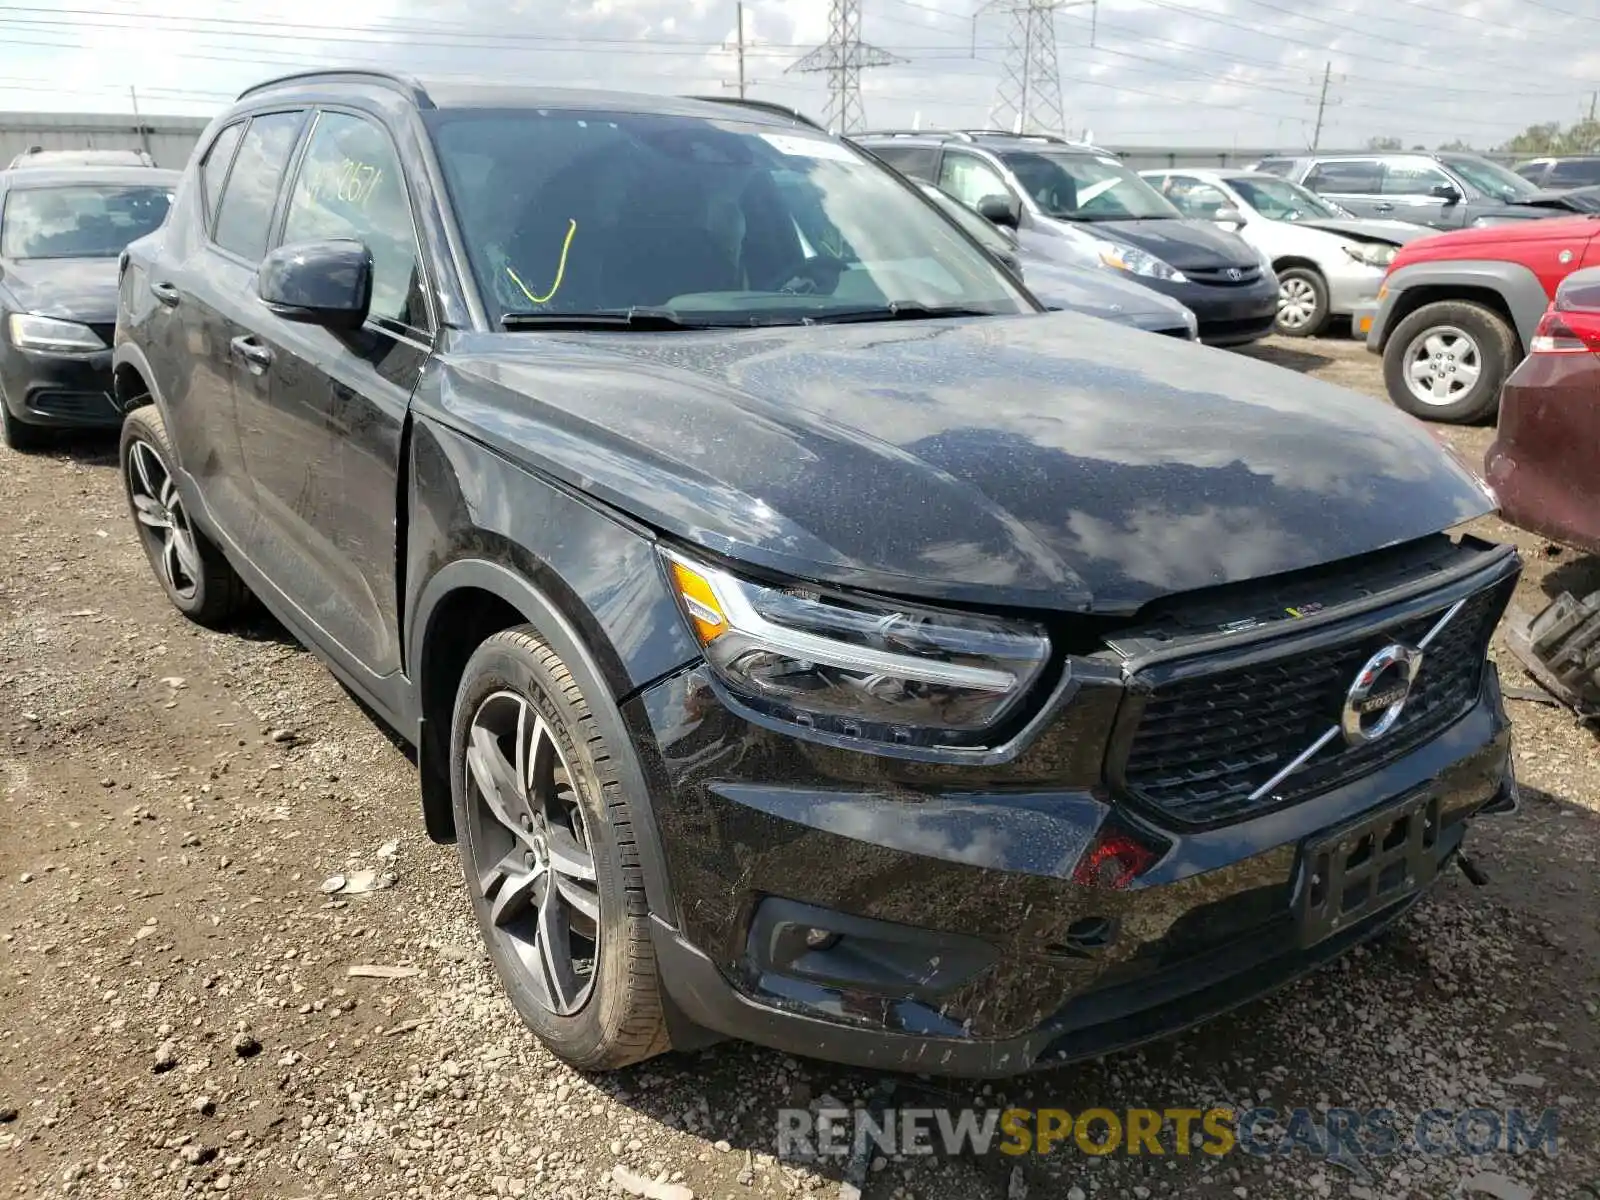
[[858, 667], [28, 332], [1137, 262]]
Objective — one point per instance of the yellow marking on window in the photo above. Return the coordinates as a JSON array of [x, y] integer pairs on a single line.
[[561, 269]]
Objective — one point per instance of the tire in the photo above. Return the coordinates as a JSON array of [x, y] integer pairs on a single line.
[[19, 435], [518, 704], [1303, 295], [192, 570], [1442, 342]]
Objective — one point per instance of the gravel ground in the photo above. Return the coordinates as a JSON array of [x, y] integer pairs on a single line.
[[179, 1013]]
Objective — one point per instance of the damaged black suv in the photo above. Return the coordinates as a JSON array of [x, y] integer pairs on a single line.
[[804, 637]]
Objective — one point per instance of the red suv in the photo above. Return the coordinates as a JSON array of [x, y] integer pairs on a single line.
[[1458, 311]]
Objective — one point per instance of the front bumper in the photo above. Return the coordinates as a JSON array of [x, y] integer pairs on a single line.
[[1352, 287], [1017, 965], [57, 390], [1227, 316]]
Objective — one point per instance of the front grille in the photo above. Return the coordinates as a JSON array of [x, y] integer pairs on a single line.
[[1205, 743], [1220, 277]]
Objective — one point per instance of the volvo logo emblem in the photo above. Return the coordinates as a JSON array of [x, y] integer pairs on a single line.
[[1235, 273], [1379, 694]]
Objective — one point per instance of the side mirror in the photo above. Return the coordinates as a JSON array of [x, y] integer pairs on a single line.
[[1000, 210], [326, 283], [1448, 192], [1228, 215]]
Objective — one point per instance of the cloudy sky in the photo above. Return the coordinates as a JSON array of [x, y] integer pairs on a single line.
[[1184, 72]]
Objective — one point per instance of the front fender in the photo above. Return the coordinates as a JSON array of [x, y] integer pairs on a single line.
[[1514, 283]]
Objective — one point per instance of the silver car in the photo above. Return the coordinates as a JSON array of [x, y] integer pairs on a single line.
[[1329, 263]]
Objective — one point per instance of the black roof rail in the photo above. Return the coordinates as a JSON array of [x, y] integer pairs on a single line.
[[414, 91], [767, 106]]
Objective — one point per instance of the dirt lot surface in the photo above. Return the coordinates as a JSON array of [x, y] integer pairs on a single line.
[[177, 1013]]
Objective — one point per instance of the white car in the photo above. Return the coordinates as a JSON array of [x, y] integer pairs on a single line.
[[1329, 263]]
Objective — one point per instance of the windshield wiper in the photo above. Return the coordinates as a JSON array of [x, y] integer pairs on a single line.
[[903, 310], [637, 317]]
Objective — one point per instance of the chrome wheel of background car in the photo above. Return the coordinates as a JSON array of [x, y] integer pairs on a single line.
[[531, 855], [1297, 303], [1441, 364], [162, 519]]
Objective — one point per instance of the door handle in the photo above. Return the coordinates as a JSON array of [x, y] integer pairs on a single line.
[[1383, 207], [166, 293], [252, 351]]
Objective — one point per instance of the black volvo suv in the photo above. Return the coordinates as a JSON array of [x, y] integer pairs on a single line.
[[803, 636]]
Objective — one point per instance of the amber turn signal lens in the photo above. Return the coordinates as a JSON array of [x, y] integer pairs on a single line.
[[700, 603]]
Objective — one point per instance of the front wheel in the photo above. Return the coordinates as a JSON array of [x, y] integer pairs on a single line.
[[1302, 302], [545, 835], [1448, 361]]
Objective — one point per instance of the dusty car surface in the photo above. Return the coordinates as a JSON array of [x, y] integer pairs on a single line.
[[803, 637]]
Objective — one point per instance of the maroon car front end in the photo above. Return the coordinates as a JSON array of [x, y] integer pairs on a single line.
[[1544, 464]]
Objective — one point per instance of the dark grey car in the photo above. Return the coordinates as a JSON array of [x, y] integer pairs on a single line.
[[1445, 191]]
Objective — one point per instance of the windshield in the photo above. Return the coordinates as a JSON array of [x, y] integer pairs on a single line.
[[80, 221], [1491, 178], [1085, 187], [1279, 200], [722, 222]]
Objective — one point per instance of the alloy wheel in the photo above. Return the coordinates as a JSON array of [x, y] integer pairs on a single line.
[[1297, 303], [163, 520], [530, 851], [1441, 364]]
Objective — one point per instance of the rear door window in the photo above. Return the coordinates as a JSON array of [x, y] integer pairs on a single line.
[[1348, 176], [244, 217], [214, 171]]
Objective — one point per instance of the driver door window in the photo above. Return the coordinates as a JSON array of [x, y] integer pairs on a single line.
[[1195, 198], [351, 186], [1413, 179], [969, 179]]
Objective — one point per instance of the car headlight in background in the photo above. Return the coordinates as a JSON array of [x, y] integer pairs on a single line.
[[858, 668], [1372, 254], [51, 335], [1137, 262]]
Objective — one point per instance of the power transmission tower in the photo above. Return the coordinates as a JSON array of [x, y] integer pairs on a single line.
[[1028, 99], [843, 57]]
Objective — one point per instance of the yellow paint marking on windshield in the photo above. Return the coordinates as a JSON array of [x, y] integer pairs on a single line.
[[561, 269]]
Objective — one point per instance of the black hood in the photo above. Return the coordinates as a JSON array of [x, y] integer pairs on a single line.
[[1187, 245], [1048, 461], [75, 289]]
